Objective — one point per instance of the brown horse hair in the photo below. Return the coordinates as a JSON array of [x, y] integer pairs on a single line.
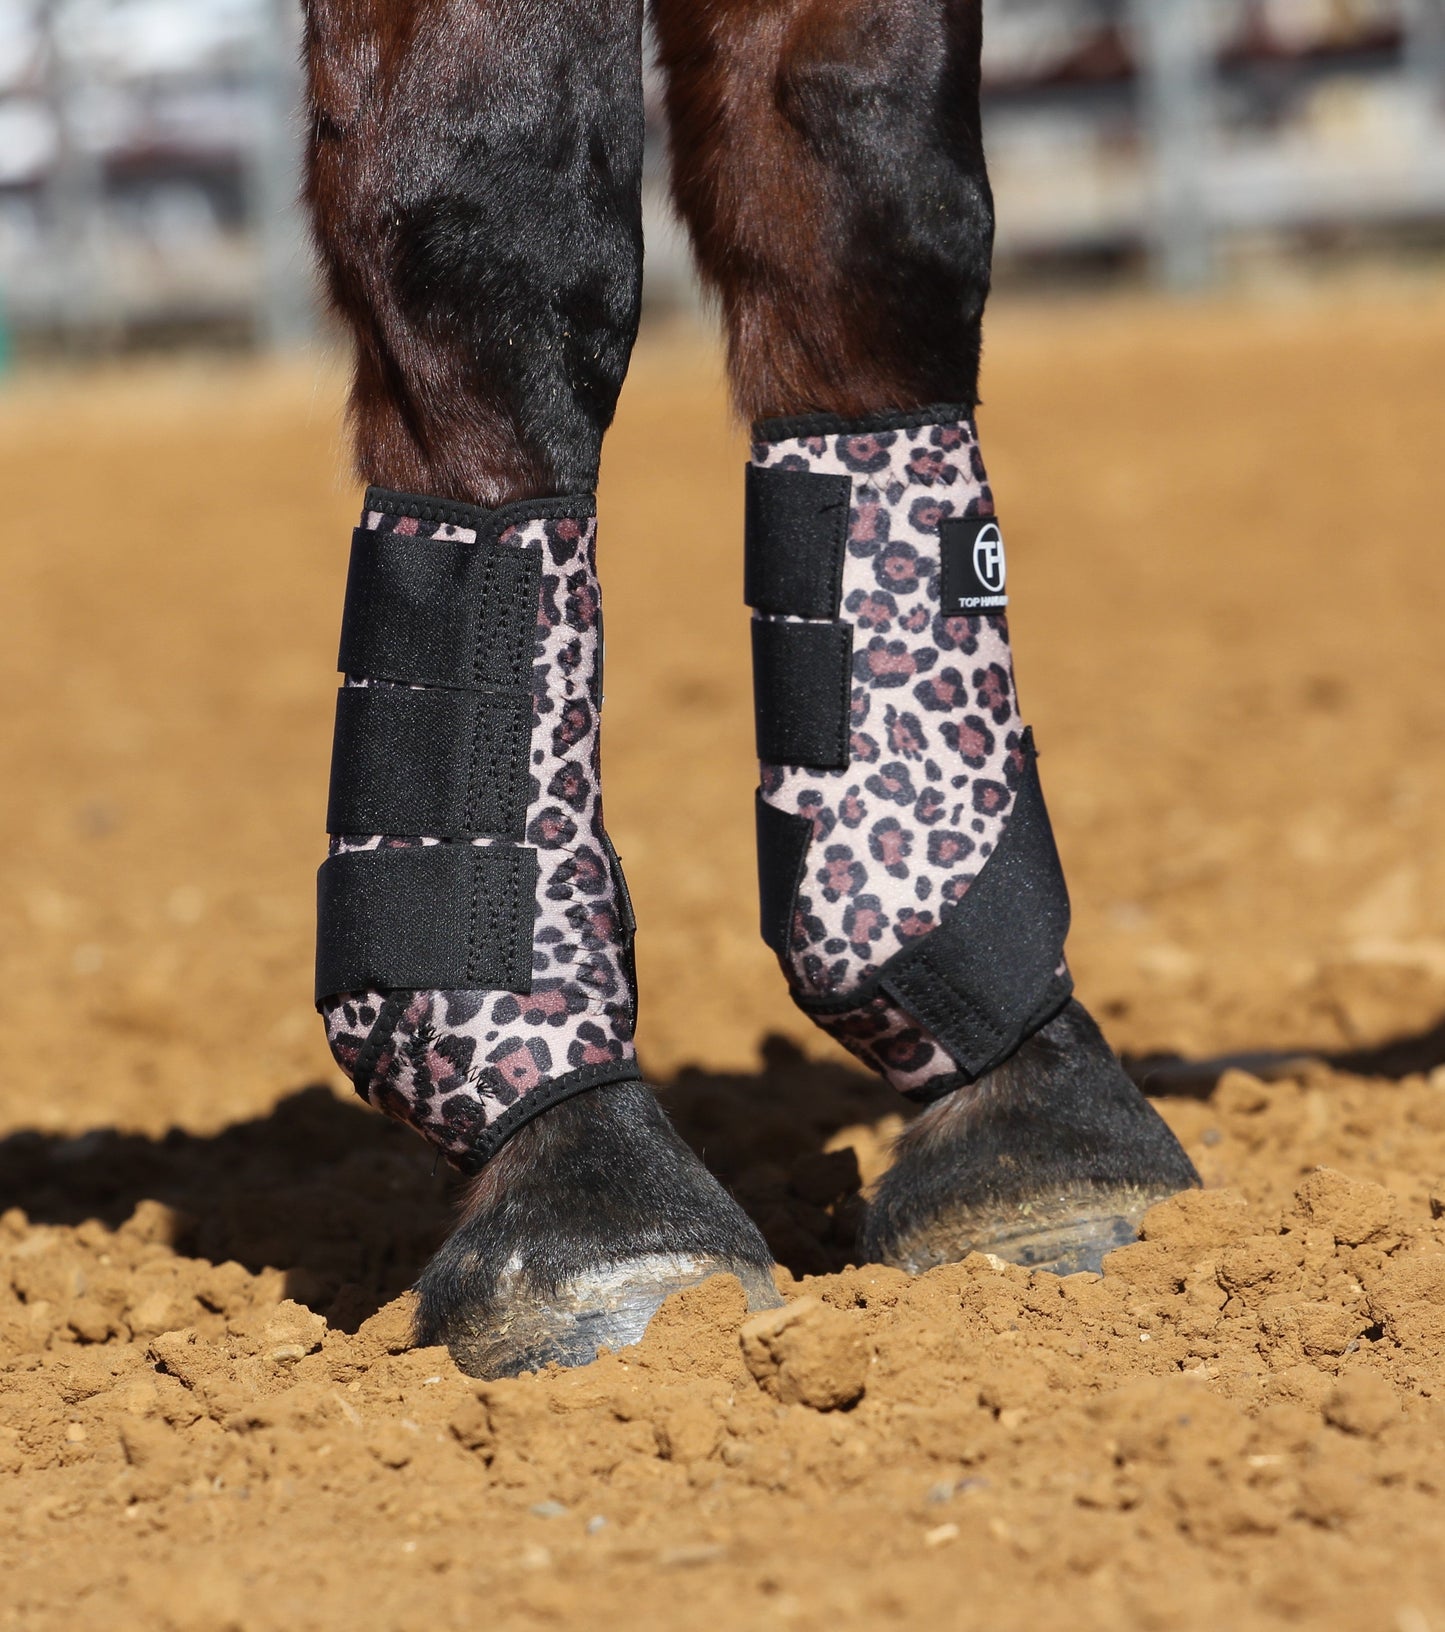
[[827, 160], [484, 249]]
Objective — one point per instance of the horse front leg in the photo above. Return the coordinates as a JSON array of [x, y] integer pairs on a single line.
[[828, 162], [474, 181]]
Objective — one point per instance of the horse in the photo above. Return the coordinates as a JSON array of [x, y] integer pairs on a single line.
[[473, 180]]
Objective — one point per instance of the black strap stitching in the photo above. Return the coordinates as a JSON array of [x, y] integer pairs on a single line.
[[491, 571], [514, 870], [388, 1017], [520, 655], [535, 1101], [471, 963], [840, 547], [845, 700], [914, 987], [478, 728], [516, 785]]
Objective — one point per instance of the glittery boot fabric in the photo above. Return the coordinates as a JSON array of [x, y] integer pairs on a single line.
[[462, 1067], [936, 746]]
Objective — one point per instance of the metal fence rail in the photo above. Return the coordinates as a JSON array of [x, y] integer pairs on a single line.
[[1176, 126], [149, 168], [149, 148]]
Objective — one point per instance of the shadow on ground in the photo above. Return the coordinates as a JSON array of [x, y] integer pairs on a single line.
[[351, 1205], [1413, 1053]]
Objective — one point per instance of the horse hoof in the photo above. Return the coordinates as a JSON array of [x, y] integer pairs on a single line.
[[609, 1306], [575, 1232], [1049, 1161]]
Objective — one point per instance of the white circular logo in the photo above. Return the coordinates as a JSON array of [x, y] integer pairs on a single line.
[[988, 562]]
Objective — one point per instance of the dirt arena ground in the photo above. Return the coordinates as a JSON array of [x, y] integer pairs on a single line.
[[1224, 526]]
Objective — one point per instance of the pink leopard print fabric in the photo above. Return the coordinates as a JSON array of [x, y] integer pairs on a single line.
[[936, 737], [454, 1063]]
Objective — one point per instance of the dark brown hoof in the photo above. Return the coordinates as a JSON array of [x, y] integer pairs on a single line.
[[1049, 1161], [1062, 1234], [575, 1233], [609, 1306]]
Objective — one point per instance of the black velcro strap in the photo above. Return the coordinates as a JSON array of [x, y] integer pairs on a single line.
[[438, 917], [783, 840], [992, 972], [802, 692], [447, 764], [797, 533], [440, 612]]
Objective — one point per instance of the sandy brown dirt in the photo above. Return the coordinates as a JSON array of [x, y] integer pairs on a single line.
[[1224, 540]]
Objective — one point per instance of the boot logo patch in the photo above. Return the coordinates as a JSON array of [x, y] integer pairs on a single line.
[[988, 561], [975, 569]]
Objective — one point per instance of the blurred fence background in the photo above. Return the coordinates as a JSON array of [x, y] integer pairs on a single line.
[[149, 153]]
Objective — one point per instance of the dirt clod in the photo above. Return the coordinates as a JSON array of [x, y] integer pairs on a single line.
[[807, 1353], [291, 1332], [1355, 1210], [1362, 1403]]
